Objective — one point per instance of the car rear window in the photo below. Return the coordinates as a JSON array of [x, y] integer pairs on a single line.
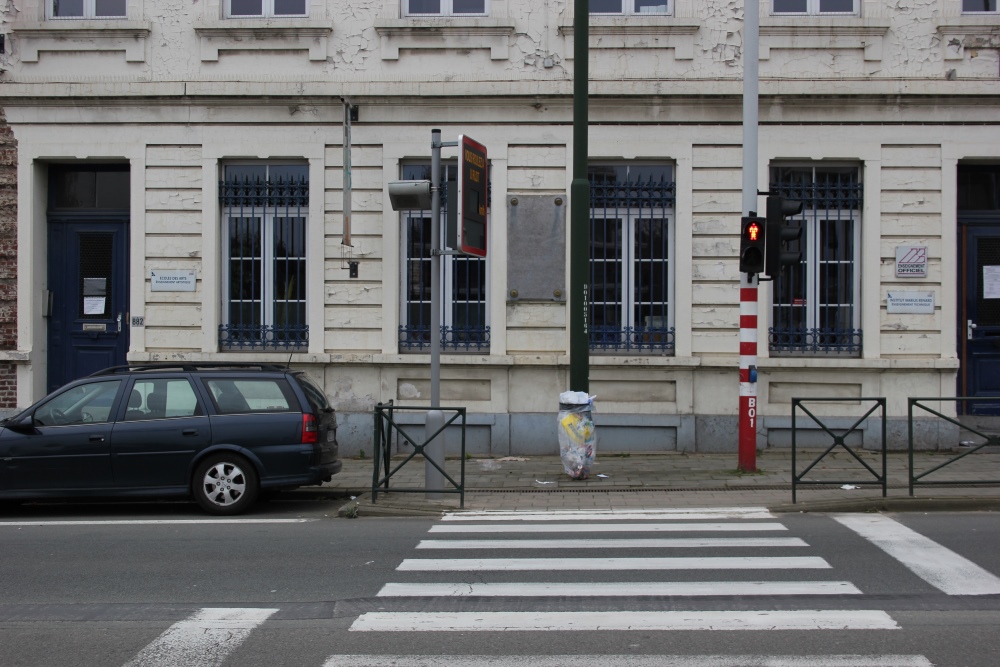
[[237, 395], [317, 399]]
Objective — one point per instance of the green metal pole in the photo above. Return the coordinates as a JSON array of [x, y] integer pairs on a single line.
[[579, 230]]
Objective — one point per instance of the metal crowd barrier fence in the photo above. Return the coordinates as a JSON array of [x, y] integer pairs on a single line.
[[798, 479], [385, 424], [989, 440]]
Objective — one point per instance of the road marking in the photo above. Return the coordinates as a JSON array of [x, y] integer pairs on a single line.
[[151, 522], [628, 661], [621, 589], [596, 564], [701, 514], [596, 621], [666, 543], [609, 528], [204, 639], [937, 565]]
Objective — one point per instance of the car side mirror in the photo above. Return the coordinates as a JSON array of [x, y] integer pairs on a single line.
[[23, 424]]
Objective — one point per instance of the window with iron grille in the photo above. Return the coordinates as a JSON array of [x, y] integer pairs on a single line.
[[815, 306], [265, 8], [87, 9], [464, 281], [628, 7], [446, 7], [264, 220], [631, 258], [815, 7]]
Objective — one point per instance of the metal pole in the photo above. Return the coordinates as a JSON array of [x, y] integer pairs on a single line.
[[579, 255], [748, 284], [434, 450]]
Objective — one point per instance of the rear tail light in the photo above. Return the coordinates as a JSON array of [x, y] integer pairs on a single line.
[[310, 429]]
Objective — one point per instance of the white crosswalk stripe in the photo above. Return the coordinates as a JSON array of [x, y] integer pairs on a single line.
[[204, 639], [621, 589], [628, 661]]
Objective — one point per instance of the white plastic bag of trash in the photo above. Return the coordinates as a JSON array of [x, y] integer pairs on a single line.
[[577, 435]]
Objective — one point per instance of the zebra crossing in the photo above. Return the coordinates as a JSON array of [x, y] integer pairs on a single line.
[[432, 594], [453, 534]]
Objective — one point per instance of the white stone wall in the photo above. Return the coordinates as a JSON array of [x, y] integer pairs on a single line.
[[905, 90]]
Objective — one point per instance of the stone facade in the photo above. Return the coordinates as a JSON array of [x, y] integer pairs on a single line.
[[905, 94]]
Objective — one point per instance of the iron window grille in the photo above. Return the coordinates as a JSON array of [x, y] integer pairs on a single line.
[[815, 307], [88, 9], [464, 281], [631, 258], [632, 7], [446, 7], [264, 219], [266, 8], [815, 7]]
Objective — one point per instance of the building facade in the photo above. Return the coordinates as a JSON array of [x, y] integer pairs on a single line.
[[184, 193]]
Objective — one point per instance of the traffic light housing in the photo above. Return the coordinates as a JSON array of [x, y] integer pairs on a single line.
[[780, 232], [752, 244]]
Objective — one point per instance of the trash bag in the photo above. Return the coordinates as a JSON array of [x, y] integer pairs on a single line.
[[577, 435]]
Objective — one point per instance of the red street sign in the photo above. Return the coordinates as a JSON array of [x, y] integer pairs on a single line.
[[473, 179]]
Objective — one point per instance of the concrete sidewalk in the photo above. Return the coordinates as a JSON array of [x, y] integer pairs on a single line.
[[677, 480]]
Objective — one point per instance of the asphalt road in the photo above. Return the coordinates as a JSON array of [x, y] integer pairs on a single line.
[[290, 584]]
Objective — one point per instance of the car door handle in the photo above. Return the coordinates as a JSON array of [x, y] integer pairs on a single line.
[[190, 431], [97, 438]]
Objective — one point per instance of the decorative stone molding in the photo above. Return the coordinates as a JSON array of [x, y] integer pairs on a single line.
[[127, 36], [420, 33], [824, 34], [263, 35], [635, 32], [968, 32]]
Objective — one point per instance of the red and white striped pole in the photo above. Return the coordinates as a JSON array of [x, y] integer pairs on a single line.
[[748, 283], [748, 375]]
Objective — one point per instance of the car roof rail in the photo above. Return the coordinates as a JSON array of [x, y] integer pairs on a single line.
[[189, 366]]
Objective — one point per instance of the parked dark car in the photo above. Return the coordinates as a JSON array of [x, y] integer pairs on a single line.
[[220, 433]]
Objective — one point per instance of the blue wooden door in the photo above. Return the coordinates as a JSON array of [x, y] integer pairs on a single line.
[[979, 313], [88, 285]]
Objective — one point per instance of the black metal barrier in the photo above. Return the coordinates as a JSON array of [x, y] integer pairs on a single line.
[[838, 441], [993, 440], [385, 424]]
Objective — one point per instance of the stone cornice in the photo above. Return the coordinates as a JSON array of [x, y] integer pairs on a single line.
[[127, 36], [638, 32], [265, 35], [454, 33], [823, 34]]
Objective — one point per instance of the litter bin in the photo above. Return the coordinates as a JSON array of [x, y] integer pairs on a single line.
[[577, 434]]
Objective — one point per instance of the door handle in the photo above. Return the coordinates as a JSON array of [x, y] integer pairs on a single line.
[[971, 325], [119, 322], [97, 438], [190, 431]]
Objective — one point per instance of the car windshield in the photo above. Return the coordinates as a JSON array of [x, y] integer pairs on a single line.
[[81, 404], [317, 399]]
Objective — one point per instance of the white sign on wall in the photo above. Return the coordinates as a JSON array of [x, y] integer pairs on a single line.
[[172, 280], [900, 301], [911, 261]]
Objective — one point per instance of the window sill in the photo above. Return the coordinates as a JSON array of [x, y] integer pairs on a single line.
[[968, 32], [84, 35], [445, 33], [638, 32], [263, 35], [822, 34]]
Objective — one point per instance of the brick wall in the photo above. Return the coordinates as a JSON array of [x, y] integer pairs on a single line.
[[8, 261]]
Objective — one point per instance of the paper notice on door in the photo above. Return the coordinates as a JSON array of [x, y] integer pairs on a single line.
[[93, 305], [991, 282]]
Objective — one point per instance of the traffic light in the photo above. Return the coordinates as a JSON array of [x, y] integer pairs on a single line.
[[752, 233], [779, 233]]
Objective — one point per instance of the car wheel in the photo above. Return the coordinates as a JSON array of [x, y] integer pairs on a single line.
[[225, 484]]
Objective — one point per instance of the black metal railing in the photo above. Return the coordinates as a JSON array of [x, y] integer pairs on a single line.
[[386, 424], [839, 442], [989, 440]]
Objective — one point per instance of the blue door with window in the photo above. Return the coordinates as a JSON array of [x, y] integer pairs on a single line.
[[979, 288], [87, 292]]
